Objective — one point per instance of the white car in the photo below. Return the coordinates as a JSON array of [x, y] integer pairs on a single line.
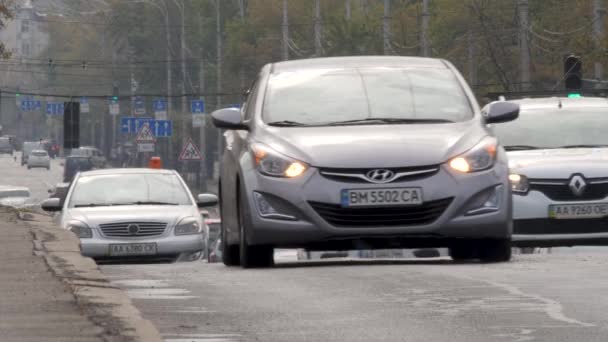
[[558, 159], [15, 196], [39, 158], [133, 213]]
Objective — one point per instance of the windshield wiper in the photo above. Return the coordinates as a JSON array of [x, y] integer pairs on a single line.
[[149, 203], [521, 147], [388, 121], [286, 123], [584, 146], [91, 205]]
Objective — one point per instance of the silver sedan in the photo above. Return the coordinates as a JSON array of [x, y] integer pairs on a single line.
[[126, 213]]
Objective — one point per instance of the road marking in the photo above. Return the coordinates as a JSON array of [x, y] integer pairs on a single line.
[[202, 337], [152, 289]]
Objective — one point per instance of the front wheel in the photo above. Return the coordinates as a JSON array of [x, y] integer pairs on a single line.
[[495, 250], [252, 256]]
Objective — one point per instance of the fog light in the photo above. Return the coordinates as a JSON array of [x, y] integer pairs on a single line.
[[266, 210], [490, 204]]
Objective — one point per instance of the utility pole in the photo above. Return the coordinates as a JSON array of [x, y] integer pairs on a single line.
[[317, 25], [424, 32], [598, 34], [524, 50], [242, 12], [387, 27], [349, 11], [285, 32], [472, 58], [218, 102], [202, 135], [184, 106]]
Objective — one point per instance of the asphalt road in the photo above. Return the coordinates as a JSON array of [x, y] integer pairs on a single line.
[[561, 296]]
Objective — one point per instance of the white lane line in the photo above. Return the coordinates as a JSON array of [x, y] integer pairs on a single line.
[[141, 283], [202, 337], [166, 293]]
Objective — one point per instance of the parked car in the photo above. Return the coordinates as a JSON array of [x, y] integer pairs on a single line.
[[96, 156], [73, 165], [141, 213], [558, 156], [39, 159], [391, 151], [27, 149], [6, 147], [15, 196]]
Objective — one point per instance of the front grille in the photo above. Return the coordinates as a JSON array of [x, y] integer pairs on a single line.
[[383, 216], [359, 175], [122, 229], [562, 191], [553, 226]]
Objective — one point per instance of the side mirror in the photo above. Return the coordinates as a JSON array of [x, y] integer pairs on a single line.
[[229, 118], [51, 205], [207, 200], [500, 111]]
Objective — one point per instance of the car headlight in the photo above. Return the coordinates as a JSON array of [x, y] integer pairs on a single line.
[[80, 229], [271, 163], [481, 157], [519, 183], [188, 226]]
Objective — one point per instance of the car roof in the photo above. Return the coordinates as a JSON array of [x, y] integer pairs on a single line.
[[359, 62], [562, 102], [13, 188], [130, 171]]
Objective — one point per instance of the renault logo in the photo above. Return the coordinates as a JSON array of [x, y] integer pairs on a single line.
[[380, 176], [133, 229], [577, 185]]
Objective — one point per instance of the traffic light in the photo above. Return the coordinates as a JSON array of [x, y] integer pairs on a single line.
[[71, 125], [115, 92], [573, 72]]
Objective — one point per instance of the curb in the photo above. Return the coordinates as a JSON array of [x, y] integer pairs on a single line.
[[106, 305]]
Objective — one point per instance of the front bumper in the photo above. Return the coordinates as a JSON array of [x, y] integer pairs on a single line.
[[165, 246], [296, 197], [532, 226], [32, 163]]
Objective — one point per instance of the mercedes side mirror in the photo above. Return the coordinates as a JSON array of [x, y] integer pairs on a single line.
[[207, 200], [51, 205], [229, 118], [500, 111]]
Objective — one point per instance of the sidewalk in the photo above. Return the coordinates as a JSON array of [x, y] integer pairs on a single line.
[[41, 270]]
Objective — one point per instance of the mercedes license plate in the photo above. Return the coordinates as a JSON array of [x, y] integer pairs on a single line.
[[130, 249], [381, 197], [578, 211]]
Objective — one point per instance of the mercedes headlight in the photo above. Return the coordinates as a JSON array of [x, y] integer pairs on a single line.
[[80, 229], [519, 183], [188, 226], [271, 163], [481, 157]]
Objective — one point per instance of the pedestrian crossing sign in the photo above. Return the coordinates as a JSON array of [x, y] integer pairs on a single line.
[[190, 152], [145, 135]]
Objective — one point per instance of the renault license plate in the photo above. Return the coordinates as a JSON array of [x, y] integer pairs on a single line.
[[381, 197], [578, 211], [132, 249]]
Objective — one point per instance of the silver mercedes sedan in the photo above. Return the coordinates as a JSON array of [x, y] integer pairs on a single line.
[[133, 213], [363, 153]]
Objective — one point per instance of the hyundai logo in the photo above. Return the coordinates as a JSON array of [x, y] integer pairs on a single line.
[[380, 176], [577, 185], [133, 229]]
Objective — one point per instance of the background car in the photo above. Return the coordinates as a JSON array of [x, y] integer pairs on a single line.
[[133, 213], [15, 196], [558, 156], [39, 159], [75, 164], [96, 156], [332, 154], [27, 148]]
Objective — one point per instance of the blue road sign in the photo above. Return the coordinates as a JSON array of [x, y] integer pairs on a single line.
[[54, 108], [197, 106], [29, 105], [162, 128], [140, 106], [159, 105], [127, 125], [139, 123]]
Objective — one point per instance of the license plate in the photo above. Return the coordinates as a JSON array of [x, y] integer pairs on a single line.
[[578, 211], [381, 197], [128, 249]]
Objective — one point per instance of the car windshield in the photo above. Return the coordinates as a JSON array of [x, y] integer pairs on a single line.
[[81, 163], [330, 96], [14, 193], [536, 128], [39, 154], [129, 189], [81, 153]]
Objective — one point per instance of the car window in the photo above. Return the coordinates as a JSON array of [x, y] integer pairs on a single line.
[[119, 189], [328, 95], [537, 127], [39, 154]]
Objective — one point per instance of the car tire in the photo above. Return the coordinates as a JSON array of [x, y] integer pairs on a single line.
[[257, 256], [491, 251], [463, 251]]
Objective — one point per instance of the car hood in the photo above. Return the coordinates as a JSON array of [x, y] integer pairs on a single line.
[[96, 216], [362, 146], [560, 163]]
